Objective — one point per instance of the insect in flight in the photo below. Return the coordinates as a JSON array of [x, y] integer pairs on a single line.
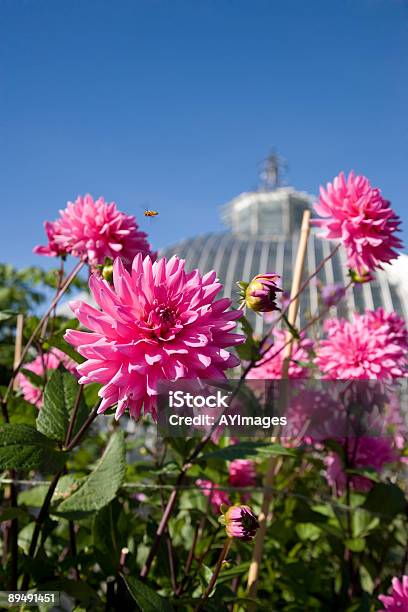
[[150, 213]]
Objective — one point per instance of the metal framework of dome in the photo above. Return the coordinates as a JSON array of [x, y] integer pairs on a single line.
[[263, 234]]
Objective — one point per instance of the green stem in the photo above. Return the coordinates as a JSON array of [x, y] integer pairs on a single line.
[[216, 572], [33, 336], [51, 489]]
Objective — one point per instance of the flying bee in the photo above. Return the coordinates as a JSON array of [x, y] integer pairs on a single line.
[[150, 213]]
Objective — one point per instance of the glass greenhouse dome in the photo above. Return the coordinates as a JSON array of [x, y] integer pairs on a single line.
[[262, 236]]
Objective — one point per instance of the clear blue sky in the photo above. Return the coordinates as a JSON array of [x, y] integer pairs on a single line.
[[172, 104]]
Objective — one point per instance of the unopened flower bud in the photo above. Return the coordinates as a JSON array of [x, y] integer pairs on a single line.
[[363, 277], [240, 522], [107, 270], [260, 294]]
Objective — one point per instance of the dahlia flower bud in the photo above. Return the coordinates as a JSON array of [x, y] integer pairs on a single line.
[[260, 294], [240, 522], [360, 278], [107, 270]]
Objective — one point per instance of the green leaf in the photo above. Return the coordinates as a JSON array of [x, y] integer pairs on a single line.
[[386, 499], [308, 531], [34, 378], [24, 448], [146, 598], [249, 350], [33, 496], [8, 514], [57, 341], [21, 411], [91, 393], [78, 590], [102, 484], [5, 315], [59, 399], [25, 536], [104, 532], [368, 473], [355, 544], [243, 450], [232, 572], [294, 332]]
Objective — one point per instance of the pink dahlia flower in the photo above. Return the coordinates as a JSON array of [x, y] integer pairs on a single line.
[[217, 497], [397, 600], [40, 365], [358, 215], [93, 230], [365, 452], [270, 367], [242, 473], [240, 522], [156, 323], [53, 248], [373, 345]]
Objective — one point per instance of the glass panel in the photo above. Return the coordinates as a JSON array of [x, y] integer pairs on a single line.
[[225, 262], [192, 250], [256, 260], [319, 256], [287, 266], [359, 298], [239, 269], [245, 221], [337, 266], [376, 293], [272, 258], [270, 219], [396, 301]]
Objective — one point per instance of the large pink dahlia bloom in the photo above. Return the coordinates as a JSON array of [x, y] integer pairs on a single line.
[[397, 600], [358, 215], [270, 367], [372, 346], [156, 323], [40, 366], [93, 230]]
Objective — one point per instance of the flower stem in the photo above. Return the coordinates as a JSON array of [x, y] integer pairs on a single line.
[[38, 524], [53, 485], [213, 580], [312, 321], [75, 440], [183, 472], [71, 276], [303, 287], [73, 415]]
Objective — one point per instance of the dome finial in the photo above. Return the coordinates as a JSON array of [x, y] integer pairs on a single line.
[[273, 168]]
